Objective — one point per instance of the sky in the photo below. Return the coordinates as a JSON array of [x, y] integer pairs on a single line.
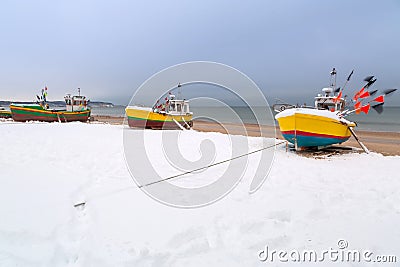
[[109, 48]]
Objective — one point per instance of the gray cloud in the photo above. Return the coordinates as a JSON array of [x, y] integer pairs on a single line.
[[108, 48]]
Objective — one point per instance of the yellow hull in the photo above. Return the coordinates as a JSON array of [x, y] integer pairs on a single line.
[[306, 128]]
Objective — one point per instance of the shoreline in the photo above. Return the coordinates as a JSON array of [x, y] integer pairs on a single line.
[[386, 143]]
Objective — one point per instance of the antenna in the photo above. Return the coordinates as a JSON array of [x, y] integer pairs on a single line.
[[79, 91], [333, 79], [348, 79], [179, 91]]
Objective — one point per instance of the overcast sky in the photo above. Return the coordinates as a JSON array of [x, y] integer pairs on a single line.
[[109, 48]]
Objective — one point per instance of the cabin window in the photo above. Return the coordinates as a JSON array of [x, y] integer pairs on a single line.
[[329, 107], [172, 107], [178, 107]]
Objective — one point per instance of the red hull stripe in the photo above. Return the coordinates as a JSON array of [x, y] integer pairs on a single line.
[[314, 134], [53, 118]]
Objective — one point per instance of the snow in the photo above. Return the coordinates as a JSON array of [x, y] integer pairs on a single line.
[[26, 105], [309, 111], [305, 203], [316, 112], [139, 108]]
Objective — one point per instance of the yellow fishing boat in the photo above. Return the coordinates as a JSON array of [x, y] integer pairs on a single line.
[[318, 126], [174, 114], [325, 124]]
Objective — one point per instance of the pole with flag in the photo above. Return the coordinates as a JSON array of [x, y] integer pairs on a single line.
[[362, 93], [45, 93], [340, 90], [347, 80], [379, 101]]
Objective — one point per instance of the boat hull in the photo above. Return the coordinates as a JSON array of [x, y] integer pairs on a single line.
[[24, 114], [313, 128], [147, 119], [5, 114]]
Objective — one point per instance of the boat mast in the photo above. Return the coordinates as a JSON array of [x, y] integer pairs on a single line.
[[333, 80], [179, 91]]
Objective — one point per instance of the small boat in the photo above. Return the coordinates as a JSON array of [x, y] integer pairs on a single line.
[[325, 124], [307, 127], [173, 114], [319, 126], [76, 109], [4, 114]]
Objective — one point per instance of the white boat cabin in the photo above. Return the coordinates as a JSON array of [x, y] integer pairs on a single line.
[[326, 101], [178, 107], [76, 103]]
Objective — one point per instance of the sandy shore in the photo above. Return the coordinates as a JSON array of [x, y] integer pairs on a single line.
[[387, 143]]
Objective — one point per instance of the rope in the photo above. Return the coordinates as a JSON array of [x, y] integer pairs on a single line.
[[211, 165], [90, 198]]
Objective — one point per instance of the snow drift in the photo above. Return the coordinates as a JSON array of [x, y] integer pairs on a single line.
[[48, 170]]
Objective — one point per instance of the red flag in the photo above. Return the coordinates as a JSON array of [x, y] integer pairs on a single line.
[[357, 95], [365, 108], [357, 105], [337, 98], [166, 98], [364, 95], [380, 99]]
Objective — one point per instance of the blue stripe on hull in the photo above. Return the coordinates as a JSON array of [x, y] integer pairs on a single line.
[[310, 141]]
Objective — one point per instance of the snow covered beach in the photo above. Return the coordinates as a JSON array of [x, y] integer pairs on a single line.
[[48, 170]]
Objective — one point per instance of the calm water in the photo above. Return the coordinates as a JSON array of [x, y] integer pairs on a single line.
[[389, 120]]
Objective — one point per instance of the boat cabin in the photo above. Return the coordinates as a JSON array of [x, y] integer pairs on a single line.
[[177, 106], [76, 103], [326, 101]]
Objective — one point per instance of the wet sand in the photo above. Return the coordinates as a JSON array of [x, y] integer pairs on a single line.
[[387, 143], [107, 119]]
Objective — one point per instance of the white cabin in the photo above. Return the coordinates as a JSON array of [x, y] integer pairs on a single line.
[[326, 101], [177, 106], [76, 103]]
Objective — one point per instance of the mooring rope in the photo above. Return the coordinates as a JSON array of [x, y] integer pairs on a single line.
[[172, 177], [211, 165]]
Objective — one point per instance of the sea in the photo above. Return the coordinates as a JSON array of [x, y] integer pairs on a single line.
[[388, 121]]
